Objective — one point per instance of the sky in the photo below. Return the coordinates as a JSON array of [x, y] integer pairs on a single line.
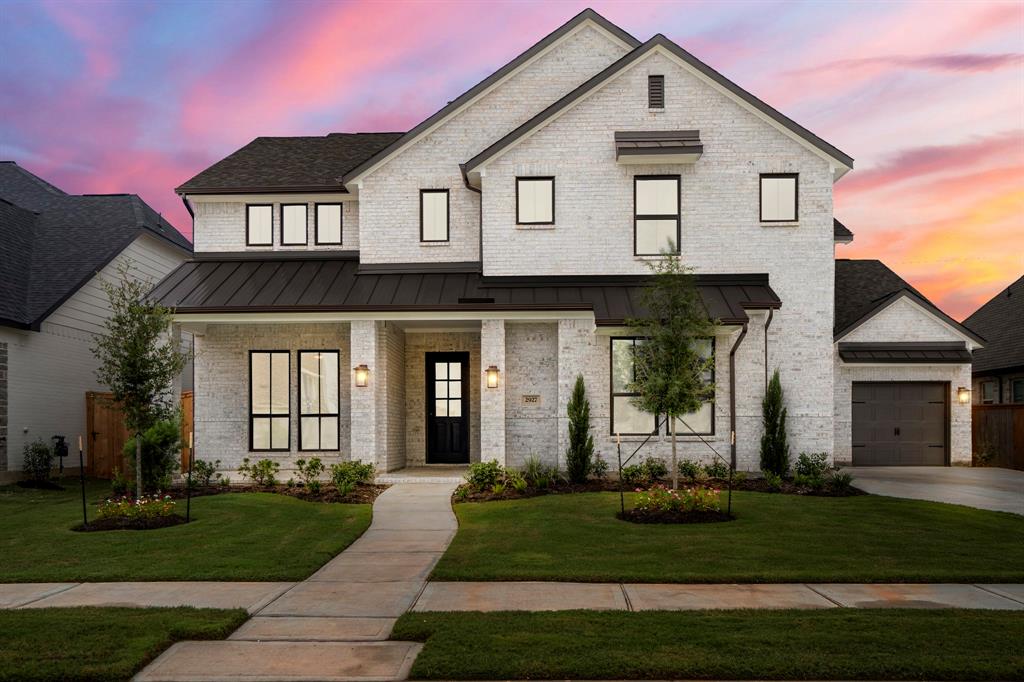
[[928, 97]]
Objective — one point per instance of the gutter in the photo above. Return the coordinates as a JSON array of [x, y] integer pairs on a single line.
[[471, 188], [732, 395]]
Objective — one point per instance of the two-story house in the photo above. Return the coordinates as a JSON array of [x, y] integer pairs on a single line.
[[430, 296]]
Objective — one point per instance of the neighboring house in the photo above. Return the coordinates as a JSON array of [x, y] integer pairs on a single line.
[[54, 250], [999, 367], [429, 297]]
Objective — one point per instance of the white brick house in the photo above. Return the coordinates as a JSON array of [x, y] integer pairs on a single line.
[[511, 231]]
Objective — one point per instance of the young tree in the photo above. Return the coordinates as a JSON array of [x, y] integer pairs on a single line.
[[774, 447], [669, 369], [138, 358], [579, 455]]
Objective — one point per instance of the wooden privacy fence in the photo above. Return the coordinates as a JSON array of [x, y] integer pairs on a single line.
[[107, 434], [998, 435]]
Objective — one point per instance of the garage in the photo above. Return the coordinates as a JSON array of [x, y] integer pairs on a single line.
[[900, 423]]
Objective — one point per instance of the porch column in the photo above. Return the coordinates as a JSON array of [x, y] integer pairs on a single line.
[[492, 400], [574, 339], [367, 440]]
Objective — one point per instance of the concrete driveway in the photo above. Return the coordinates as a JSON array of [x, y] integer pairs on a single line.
[[984, 488]]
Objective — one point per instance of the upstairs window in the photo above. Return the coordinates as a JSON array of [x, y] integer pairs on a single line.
[[535, 201], [269, 400], [434, 215], [259, 228], [778, 197], [293, 224], [318, 400], [328, 224], [656, 92], [656, 215]]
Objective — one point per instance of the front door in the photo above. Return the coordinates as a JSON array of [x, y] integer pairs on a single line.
[[447, 408]]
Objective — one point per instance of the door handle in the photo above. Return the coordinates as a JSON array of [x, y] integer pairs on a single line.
[[897, 430]]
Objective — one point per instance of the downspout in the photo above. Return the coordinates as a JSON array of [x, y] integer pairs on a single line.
[[732, 395], [471, 188], [767, 323]]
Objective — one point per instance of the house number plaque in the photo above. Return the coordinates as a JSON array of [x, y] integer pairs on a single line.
[[531, 399]]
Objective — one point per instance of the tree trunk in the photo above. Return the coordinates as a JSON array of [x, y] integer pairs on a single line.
[[675, 466], [138, 466]]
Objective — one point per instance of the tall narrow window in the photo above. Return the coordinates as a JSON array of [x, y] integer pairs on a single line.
[[259, 228], [627, 419], [702, 421], [778, 197], [656, 214], [988, 392], [318, 400], [434, 215], [656, 92], [269, 400], [328, 224], [293, 224], [1017, 391], [535, 201]]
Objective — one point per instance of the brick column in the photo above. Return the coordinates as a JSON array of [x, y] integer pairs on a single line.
[[574, 338], [366, 441], [492, 400]]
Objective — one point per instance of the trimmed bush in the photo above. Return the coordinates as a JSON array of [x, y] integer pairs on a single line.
[[579, 454], [262, 473], [37, 460], [347, 475], [485, 475], [161, 447], [774, 445]]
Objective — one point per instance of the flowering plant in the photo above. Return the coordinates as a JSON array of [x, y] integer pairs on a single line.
[[659, 498], [146, 507]]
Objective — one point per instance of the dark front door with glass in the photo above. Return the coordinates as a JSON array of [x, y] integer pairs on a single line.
[[447, 408]]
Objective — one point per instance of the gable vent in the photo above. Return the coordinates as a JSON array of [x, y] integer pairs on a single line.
[[656, 92]]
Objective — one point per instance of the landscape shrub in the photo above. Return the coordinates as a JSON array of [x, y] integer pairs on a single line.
[[772, 480], [774, 444], [310, 472], [516, 480], [119, 483], [347, 475], [533, 469], [655, 469], [812, 464], [146, 507], [840, 481], [203, 472], [161, 447], [37, 460], [717, 469], [599, 469], [689, 469], [579, 454], [262, 473], [632, 474], [484, 475], [659, 498], [812, 482]]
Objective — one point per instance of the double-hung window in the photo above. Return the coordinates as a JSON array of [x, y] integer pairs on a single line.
[[1017, 391], [328, 224], [779, 197], [434, 215], [318, 400], [701, 422], [988, 393], [259, 225], [269, 400], [627, 419], [293, 224], [655, 214], [535, 201]]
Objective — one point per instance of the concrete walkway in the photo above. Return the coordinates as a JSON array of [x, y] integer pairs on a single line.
[[334, 626], [981, 487]]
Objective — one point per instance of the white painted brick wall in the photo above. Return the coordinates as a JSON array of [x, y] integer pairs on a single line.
[[532, 369], [220, 226], [493, 406]]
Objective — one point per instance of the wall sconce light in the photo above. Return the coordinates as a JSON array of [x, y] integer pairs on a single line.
[[362, 375], [492, 376], [963, 395]]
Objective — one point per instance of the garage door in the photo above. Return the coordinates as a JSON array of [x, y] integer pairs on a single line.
[[900, 423]]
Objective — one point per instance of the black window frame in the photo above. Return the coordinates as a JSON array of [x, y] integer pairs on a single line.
[[652, 102], [1013, 397], [248, 241], [536, 178], [320, 415], [996, 398], [613, 394], [305, 232], [271, 415], [796, 196], [448, 216], [316, 223], [637, 217]]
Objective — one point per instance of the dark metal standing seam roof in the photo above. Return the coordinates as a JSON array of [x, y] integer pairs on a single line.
[[655, 142], [931, 353], [335, 285]]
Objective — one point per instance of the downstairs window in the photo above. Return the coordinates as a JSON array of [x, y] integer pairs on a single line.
[[269, 400]]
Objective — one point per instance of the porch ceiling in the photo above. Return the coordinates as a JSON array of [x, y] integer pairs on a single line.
[[275, 285]]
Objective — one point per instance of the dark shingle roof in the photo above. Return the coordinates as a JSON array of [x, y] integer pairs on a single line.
[[49, 253], [270, 164], [1001, 323], [841, 232], [863, 287], [25, 189]]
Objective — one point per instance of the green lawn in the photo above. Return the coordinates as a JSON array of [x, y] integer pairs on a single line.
[[99, 643], [776, 538], [839, 644], [245, 536]]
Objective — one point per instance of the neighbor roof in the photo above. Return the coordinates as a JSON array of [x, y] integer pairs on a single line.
[[331, 284], [48, 254], [658, 41], [289, 164], [840, 232], [1001, 322], [25, 189], [865, 287]]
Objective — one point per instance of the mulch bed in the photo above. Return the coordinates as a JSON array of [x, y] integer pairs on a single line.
[[643, 516], [130, 524], [364, 493], [758, 485], [40, 485], [464, 493]]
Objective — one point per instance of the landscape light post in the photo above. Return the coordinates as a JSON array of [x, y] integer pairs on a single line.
[[81, 478], [622, 496], [188, 493]]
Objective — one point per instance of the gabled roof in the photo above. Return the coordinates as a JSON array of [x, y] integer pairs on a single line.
[[1001, 322], [289, 164], [46, 255], [661, 42], [25, 189], [457, 103], [841, 233], [863, 288]]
